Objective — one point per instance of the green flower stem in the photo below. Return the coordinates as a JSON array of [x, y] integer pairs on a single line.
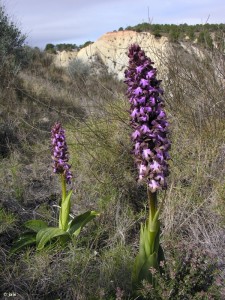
[[63, 222], [153, 227], [63, 180], [152, 198]]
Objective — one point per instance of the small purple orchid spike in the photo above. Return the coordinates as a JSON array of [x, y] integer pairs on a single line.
[[148, 119], [60, 154]]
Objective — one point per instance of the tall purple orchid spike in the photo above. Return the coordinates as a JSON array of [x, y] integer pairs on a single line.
[[148, 119], [60, 154]]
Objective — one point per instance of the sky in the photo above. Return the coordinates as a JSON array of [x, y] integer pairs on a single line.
[[78, 21]]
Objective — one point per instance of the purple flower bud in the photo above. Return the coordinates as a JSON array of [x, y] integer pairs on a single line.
[[148, 119], [139, 69], [153, 185], [134, 113], [144, 82], [150, 74], [144, 129], [155, 167], [147, 154], [141, 100], [60, 152], [135, 134], [137, 91]]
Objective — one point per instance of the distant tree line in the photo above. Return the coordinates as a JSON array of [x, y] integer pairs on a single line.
[[51, 48], [202, 33]]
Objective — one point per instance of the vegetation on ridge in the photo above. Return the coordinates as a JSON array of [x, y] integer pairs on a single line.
[[200, 32], [51, 48], [203, 34]]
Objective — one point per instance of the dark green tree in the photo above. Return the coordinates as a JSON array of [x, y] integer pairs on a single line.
[[66, 47], [50, 48], [86, 44], [11, 46], [174, 34], [191, 33], [157, 33]]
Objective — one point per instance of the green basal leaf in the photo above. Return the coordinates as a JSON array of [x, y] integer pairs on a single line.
[[80, 221], [142, 252], [45, 235], [154, 225], [151, 262], [64, 212], [148, 254], [35, 225], [138, 263], [23, 241], [147, 241], [141, 268]]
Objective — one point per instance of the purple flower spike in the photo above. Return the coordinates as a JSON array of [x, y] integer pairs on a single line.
[[148, 119], [60, 154]]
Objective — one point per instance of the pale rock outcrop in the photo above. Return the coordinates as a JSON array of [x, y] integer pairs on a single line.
[[112, 49], [63, 58]]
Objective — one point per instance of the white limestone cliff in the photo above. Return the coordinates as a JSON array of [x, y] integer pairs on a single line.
[[112, 49], [63, 58]]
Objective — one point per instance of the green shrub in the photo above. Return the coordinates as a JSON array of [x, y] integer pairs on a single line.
[[78, 69], [50, 48], [187, 275], [157, 34], [11, 46], [205, 39]]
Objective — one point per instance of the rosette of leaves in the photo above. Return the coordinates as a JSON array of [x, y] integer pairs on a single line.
[[39, 233]]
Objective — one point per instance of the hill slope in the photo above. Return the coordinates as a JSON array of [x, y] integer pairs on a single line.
[[111, 49]]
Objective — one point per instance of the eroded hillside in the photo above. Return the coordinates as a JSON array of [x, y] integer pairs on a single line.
[[111, 49]]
